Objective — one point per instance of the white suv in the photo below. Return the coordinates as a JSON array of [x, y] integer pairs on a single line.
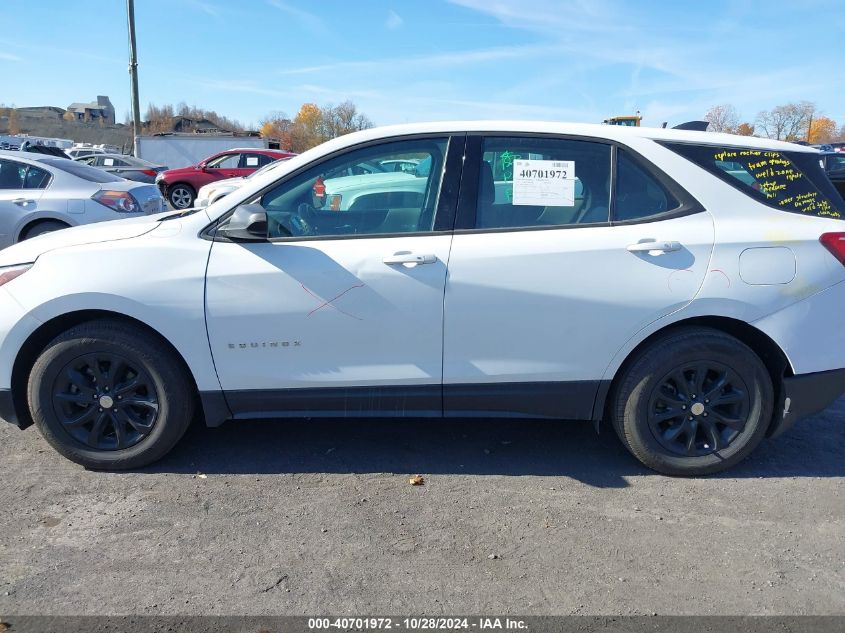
[[684, 288]]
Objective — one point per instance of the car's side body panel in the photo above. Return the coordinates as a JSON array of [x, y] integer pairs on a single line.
[[534, 323], [96, 277]]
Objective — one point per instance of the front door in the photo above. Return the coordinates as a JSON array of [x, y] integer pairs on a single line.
[[543, 288], [340, 311]]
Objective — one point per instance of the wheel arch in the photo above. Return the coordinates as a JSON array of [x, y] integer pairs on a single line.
[[46, 332], [31, 221], [769, 352]]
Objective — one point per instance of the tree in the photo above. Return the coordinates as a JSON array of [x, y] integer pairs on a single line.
[[786, 122], [745, 129], [343, 119], [822, 130], [14, 122], [722, 118], [842, 133]]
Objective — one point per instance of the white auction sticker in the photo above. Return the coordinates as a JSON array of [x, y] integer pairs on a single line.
[[549, 183]]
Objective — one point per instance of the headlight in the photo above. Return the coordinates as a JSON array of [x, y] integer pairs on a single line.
[[7, 273]]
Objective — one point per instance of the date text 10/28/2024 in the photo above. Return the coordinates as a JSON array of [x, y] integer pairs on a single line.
[[417, 624]]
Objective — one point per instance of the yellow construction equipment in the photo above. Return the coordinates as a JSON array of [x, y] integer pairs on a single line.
[[629, 121]]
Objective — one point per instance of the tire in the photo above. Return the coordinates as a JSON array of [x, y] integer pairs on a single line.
[[670, 431], [47, 226], [142, 411], [181, 196]]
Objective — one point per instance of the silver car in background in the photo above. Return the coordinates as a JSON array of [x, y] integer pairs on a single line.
[[41, 193], [128, 167]]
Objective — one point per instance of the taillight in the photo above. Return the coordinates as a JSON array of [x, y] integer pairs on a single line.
[[334, 201], [152, 173], [120, 201], [835, 243]]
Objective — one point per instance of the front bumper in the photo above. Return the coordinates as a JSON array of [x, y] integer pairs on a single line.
[[805, 395]]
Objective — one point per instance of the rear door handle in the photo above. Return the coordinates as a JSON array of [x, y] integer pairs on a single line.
[[409, 258], [22, 202], [654, 246]]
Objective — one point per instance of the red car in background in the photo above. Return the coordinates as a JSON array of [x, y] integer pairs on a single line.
[[180, 186]]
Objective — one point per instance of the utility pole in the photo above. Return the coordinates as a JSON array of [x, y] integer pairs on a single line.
[[133, 76]]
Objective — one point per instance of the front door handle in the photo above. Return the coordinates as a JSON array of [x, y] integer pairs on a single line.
[[654, 246], [405, 257], [22, 202]]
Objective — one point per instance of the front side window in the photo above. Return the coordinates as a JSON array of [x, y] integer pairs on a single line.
[[638, 194], [342, 197], [787, 181], [542, 182], [227, 161]]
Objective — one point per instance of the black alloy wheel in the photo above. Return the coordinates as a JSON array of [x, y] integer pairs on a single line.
[[111, 395], [105, 401], [698, 409]]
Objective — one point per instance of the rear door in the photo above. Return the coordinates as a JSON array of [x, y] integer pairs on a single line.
[[21, 188], [564, 248]]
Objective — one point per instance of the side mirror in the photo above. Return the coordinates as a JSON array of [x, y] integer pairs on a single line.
[[201, 166], [247, 224]]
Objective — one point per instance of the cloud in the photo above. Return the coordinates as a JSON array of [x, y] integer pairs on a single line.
[[311, 21], [439, 60], [8, 57], [394, 20], [674, 64], [206, 7]]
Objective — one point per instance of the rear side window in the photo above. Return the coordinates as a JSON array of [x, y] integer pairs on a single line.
[[638, 194], [36, 178], [787, 181], [542, 182], [86, 172]]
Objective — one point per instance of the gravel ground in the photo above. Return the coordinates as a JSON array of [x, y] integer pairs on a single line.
[[318, 517]]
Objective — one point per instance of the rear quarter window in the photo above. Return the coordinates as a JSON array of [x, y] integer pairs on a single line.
[[787, 181]]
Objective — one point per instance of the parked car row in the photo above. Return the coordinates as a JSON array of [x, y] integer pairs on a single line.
[[180, 186], [40, 193]]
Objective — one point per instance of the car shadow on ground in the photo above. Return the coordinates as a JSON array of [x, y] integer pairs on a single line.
[[474, 447]]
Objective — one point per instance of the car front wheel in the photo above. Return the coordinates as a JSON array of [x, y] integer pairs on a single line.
[[695, 402], [108, 396], [181, 196]]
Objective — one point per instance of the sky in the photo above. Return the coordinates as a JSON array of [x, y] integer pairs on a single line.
[[407, 61]]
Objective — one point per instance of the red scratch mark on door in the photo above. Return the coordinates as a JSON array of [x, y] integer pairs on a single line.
[[330, 302], [724, 274], [672, 274]]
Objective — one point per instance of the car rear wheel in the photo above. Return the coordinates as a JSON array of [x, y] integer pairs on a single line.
[[48, 226], [181, 196], [695, 402], [108, 396]]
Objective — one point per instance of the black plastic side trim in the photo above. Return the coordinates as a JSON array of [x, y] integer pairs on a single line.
[[555, 400], [214, 408], [7, 409], [412, 401], [805, 395]]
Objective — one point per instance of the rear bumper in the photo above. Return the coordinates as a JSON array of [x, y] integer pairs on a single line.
[[805, 395], [8, 412]]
